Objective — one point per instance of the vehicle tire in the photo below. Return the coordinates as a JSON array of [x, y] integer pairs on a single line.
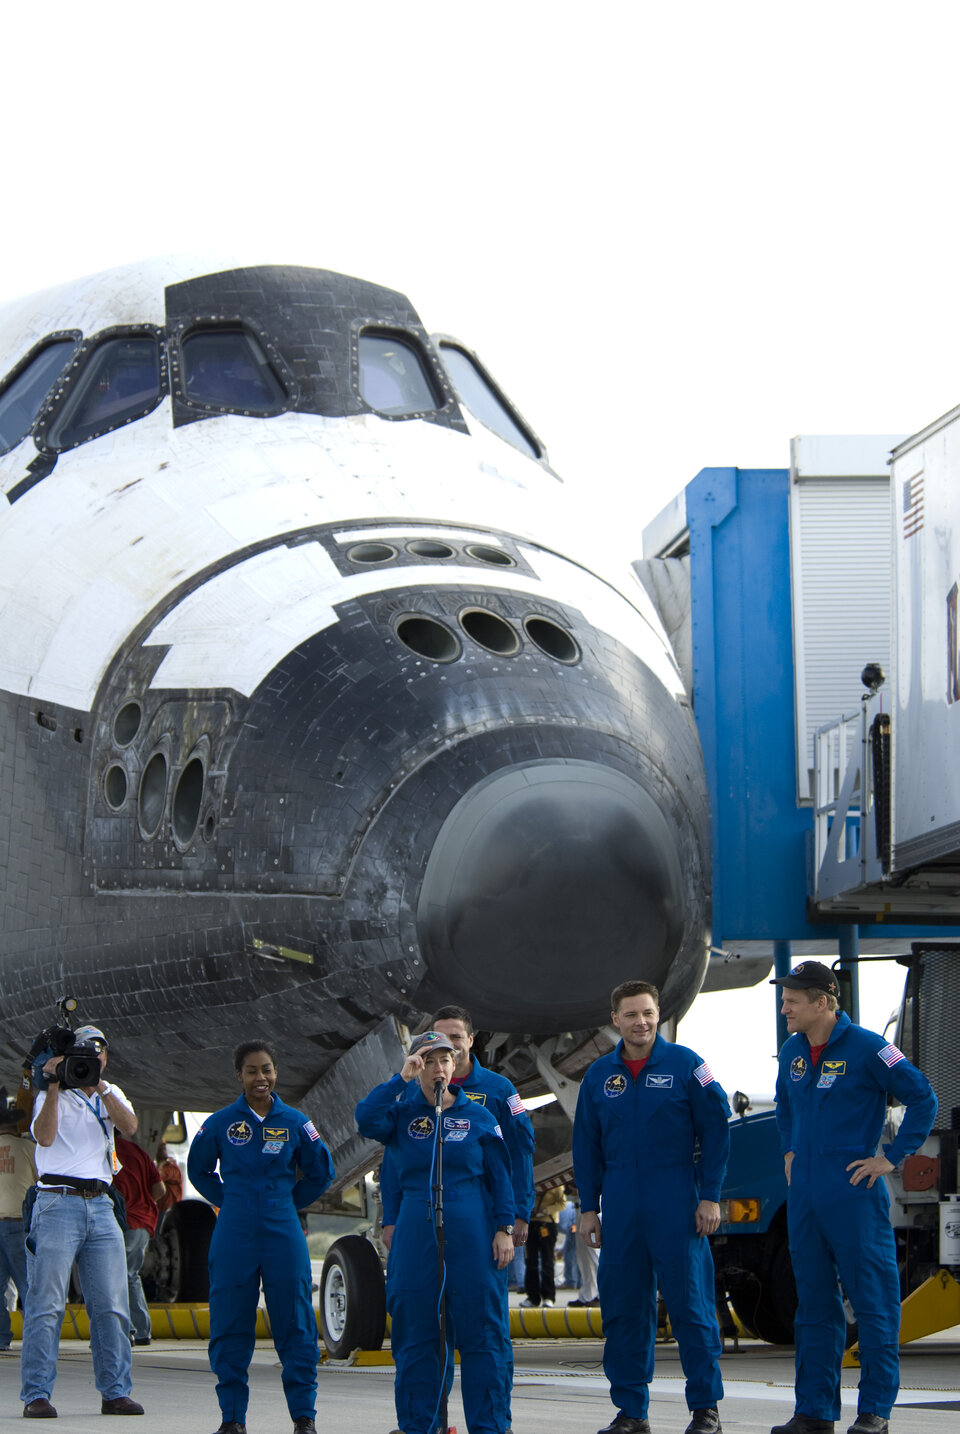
[[175, 1267], [353, 1311], [776, 1305]]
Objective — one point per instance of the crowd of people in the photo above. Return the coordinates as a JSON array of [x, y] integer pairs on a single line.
[[79, 1199]]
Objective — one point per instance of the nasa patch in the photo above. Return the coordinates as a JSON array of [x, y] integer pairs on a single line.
[[421, 1127], [455, 1127], [239, 1133], [659, 1082], [272, 1147], [615, 1085], [798, 1068]]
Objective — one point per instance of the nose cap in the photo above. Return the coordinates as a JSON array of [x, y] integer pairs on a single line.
[[548, 884]]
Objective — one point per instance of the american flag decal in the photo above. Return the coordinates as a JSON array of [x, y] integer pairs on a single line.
[[311, 1130], [890, 1055], [515, 1104], [913, 505], [704, 1074]]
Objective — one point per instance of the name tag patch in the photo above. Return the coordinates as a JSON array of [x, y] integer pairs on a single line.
[[275, 1132], [659, 1082], [478, 1095], [455, 1127]]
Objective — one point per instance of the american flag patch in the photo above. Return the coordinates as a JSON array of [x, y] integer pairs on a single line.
[[312, 1130], [515, 1104], [704, 1074], [499, 1131], [890, 1055]]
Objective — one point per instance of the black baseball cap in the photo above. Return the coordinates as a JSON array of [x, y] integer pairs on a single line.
[[430, 1041], [809, 975]]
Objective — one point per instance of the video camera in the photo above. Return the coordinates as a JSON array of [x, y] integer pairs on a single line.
[[80, 1060]]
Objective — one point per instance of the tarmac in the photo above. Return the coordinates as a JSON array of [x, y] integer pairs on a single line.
[[559, 1388]]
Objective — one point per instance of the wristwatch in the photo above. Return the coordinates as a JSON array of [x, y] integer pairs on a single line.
[[504, 1229]]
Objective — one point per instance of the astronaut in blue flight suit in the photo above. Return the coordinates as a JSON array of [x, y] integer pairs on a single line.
[[498, 1095], [262, 1147], [640, 1112], [832, 1089], [478, 1210]]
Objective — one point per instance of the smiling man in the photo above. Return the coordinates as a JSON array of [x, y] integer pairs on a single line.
[[640, 1112], [272, 1163], [832, 1090]]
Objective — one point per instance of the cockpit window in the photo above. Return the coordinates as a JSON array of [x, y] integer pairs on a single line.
[[120, 381], [484, 403], [394, 378], [227, 368], [24, 395]]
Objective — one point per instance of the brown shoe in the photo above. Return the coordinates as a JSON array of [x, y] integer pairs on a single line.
[[39, 1409], [123, 1405]]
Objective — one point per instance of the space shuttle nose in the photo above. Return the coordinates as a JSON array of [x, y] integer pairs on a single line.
[[547, 884]]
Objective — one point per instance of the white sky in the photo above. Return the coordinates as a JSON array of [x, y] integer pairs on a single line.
[[677, 233]]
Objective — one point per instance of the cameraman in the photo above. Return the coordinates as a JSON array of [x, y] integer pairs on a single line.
[[73, 1219]]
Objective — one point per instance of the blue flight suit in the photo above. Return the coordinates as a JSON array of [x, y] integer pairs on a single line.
[[829, 1115], [633, 1149], [477, 1197], [258, 1234], [498, 1095]]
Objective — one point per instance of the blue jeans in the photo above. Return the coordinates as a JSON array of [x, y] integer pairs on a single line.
[[65, 1228], [13, 1266], [135, 1242]]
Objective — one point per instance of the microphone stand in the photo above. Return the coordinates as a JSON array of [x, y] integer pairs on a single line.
[[437, 1192]]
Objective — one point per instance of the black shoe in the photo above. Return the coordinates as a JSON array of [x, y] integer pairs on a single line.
[[804, 1424], [230, 1426], [623, 1424], [869, 1424], [304, 1426], [123, 1405], [704, 1421], [39, 1409], [146, 1340]]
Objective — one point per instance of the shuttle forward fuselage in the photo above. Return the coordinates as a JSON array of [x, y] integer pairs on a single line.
[[314, 707]]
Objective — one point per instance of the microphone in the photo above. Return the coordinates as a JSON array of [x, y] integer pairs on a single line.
[[439, 1086]]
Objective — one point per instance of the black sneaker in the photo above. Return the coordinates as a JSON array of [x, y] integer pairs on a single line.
[[869, 1424], [623, 1424], [804, 1424], [704, 1421]]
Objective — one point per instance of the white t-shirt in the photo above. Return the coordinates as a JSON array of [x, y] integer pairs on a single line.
[[82, 1147]]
